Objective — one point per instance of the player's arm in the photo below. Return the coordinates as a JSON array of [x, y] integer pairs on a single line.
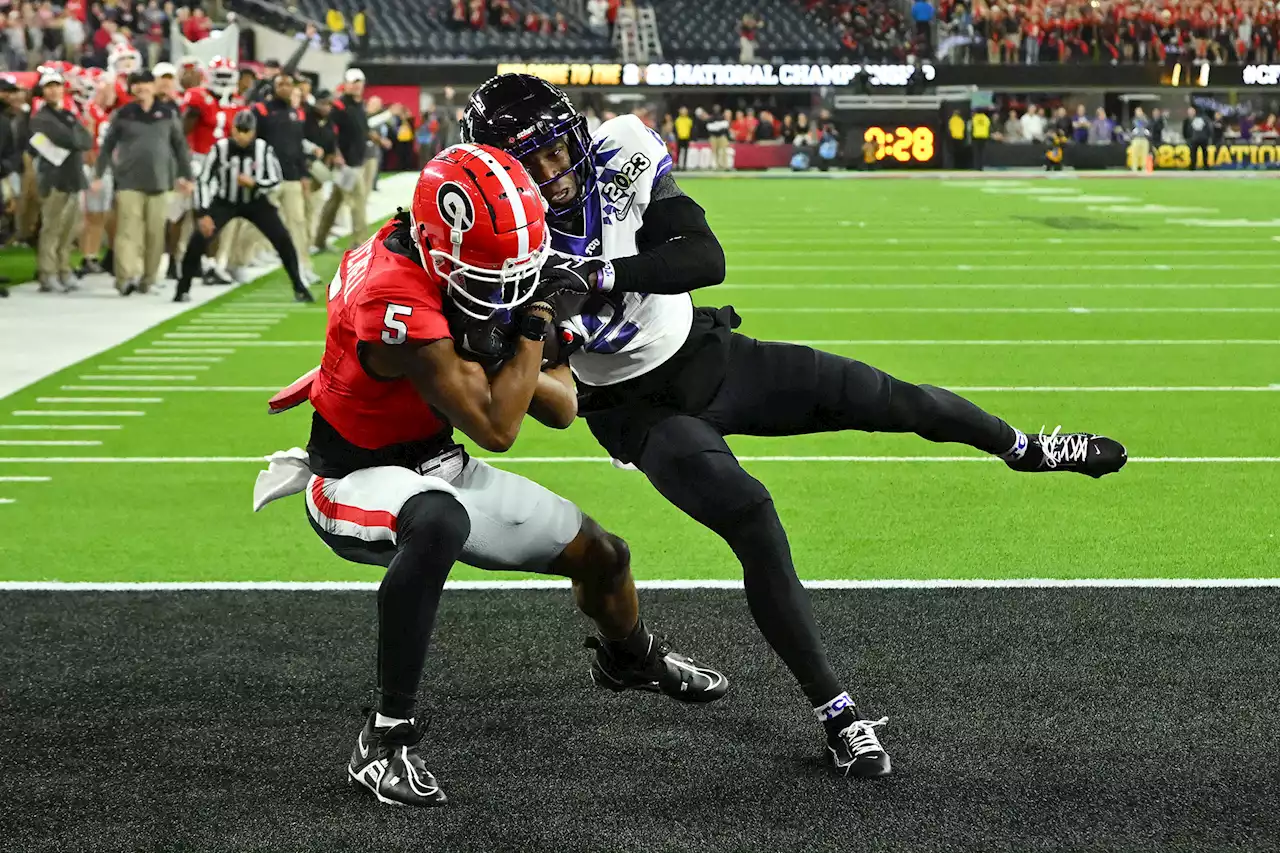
[[555, 399], [488, 409], [680, 253]]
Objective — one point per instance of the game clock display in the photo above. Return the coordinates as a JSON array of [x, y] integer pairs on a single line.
[[903, 145]]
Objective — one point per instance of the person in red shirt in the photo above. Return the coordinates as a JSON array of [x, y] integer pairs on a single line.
[[198, 26], [98, 203], [385, 482]]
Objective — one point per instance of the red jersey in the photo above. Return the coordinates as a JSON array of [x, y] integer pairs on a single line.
[[377, 296], [68, 103], [99, 121], [211, 119]]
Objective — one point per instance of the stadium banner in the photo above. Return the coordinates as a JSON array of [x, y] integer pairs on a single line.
[[741, 155], [1236, 155]]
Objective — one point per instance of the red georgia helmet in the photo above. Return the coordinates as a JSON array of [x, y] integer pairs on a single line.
[[480, 223]]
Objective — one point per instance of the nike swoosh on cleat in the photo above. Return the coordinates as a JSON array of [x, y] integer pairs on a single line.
[[364, 749]]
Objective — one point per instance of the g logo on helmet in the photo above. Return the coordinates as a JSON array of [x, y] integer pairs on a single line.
[[455, 207]]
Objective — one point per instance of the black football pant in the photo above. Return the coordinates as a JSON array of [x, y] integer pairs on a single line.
[[262, 214], [775, 389], [431, 529]]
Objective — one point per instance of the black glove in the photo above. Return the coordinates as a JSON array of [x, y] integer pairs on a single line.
[[568, 282]]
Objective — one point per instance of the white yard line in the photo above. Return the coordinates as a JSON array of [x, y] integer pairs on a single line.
[[217, 351], [7, 501], [25, 479], [1043, 389], [548, 584], [149, 368], [97, 377], [260, 389], [9, 443], [213, 335], [73, 413], [99, 399], [171, 359], [560, 460], [63, 427], [318, 343]]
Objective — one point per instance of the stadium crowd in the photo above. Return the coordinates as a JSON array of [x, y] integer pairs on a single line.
[[112, 156]]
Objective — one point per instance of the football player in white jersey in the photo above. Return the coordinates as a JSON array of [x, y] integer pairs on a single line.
[[661, 383]]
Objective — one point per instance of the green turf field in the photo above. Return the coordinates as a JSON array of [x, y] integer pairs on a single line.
[[1080, 302]]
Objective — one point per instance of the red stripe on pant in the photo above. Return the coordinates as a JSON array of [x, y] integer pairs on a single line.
[[342, 512]]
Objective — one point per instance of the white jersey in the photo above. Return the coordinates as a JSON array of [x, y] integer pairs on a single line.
[[648, 329]]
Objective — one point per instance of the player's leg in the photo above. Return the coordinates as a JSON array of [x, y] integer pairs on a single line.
[[518, 524], [416, 528], [196, 247], [785, 389], [266, 216], [689, 463]]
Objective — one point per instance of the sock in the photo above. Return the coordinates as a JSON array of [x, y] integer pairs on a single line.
[[634, 646], [381, 722], [1019, 448], [837, 714]]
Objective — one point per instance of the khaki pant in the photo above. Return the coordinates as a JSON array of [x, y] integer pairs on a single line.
[[294, 213], [239, 242], [1139, 151], [720, 152], [139, 243], [356, 199], [28, 203], [371, 172], [60, 214], [311, 205]]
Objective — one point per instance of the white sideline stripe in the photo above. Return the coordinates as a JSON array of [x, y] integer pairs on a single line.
[[217, 330], [100, 399], [25, 479], [176, 335], [1004, 267], [1002, 310], [7, 501], [98, 377], [226, 319], [464, 586], [1036, 343], [515, 460], [917, 342], [16, 443], [150, 368], [259, 389], [63, 427], [1000, 286], [74, 413], [993, 389], [219, 351], [172, 359]]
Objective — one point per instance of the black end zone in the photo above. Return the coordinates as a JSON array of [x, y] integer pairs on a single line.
[[1133, 720]]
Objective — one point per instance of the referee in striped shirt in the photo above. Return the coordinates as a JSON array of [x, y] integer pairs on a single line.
[[238, 173]]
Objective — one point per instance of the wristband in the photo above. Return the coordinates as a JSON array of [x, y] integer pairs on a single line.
[[605, 277], [532, 327]]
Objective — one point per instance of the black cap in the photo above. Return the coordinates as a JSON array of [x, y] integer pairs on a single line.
[[248, 72], [322, 94], [245, 120], [143, 76], [271, 63], [8, 84]]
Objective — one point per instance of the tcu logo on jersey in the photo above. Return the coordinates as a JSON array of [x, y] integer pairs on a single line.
[[616, 191]]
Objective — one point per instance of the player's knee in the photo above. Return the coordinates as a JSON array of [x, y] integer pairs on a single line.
[[603, 555], [434, 523], [710, 486]]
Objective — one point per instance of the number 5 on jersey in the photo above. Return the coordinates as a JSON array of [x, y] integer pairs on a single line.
[[396, 331]]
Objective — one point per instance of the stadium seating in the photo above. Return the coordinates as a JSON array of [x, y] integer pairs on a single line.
[[422, 29], [707, 31]]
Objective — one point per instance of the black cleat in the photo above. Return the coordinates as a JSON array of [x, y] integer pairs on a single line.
[[1081, 452], [213, 275], [660, 671], [387, 763], [303, 296], [856, 751]]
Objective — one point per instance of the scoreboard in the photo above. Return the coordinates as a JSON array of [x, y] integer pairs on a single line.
[[906, 131]]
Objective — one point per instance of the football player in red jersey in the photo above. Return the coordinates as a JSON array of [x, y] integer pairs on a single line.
[[385, 482], [97, 203]]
